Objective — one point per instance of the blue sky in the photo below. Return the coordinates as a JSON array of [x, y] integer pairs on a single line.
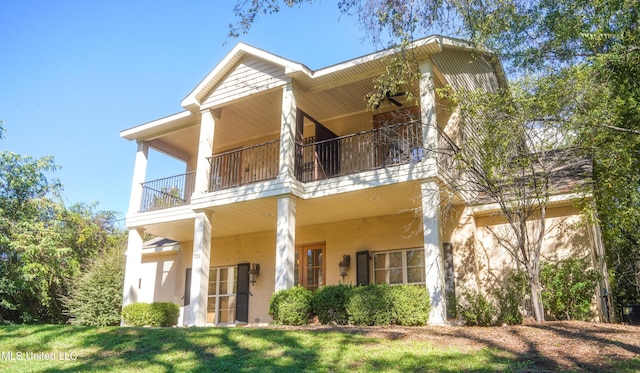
[[73, 74]]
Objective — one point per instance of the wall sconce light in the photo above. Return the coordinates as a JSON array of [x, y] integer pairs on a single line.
[[344, 265], [253, 273]]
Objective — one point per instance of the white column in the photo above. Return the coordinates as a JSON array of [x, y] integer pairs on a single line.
[[287, 134], [428, 107], [285, 243], [132, 267], [139, 173], [434, 264], [196, 313], [205, 150]]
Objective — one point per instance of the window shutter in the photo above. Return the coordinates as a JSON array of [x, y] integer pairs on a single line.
[[187, 287], [362, 268], [242, 296]]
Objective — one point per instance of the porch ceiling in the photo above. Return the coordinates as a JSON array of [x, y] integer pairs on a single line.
[[261, 215]]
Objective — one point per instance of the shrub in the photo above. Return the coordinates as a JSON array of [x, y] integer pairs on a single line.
[[291, 306], [411, 305], [154, 314], [164, 314], [510, 297], [370, 305], [135, 314], [96, 295], [329, 304], [568, 289], [476, 309]]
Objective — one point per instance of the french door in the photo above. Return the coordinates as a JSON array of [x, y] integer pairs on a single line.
[[228, 295], [310, 266], [221, 305]]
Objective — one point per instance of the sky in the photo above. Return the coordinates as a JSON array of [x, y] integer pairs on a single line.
[[73, 74]]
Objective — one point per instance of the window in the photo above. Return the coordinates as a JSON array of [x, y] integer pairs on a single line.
[[309, 268], [399, 267], [221, 305]]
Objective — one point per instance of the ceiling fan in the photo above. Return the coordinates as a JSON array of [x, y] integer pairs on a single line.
[[391, 98]]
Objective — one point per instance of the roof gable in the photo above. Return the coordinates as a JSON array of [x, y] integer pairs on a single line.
[[242, 60]]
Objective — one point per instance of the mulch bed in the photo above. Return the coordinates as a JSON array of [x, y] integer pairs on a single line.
[[551, 346]]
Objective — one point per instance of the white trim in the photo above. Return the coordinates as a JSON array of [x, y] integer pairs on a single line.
[[160, 126], [555, 200]]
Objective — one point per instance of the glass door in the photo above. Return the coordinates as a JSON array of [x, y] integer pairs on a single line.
[[221, 305]]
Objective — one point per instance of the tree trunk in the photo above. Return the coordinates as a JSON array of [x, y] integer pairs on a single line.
[[536, 297]]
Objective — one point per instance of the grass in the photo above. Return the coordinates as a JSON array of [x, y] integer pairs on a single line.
[[228, 349]]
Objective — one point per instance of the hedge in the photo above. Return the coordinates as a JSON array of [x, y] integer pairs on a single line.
[[154, 314]]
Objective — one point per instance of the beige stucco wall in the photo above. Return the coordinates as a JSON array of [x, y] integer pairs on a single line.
[[480, 262]]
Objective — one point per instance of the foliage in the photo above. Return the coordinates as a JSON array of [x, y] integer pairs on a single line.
[[501, 306], [476, 309], [151, 314], [43, 243], [370, 305], [95, 298], [569, 289], [510, 297], [411, 305], [291, 306], [329, 304]]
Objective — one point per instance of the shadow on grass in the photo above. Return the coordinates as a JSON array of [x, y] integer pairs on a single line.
[[236, 349], [177, 350], [313, 349]]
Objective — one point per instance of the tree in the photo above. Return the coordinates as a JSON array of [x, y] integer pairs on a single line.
[[594, 44], [43, 243], [514, 154], [95, 298]]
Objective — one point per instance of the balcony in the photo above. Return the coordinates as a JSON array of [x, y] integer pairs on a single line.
[[364, 151], [167, 192], [315, 160], [244, 166]]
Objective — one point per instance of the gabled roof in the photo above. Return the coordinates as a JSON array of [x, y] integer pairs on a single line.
[[193, 99], [429, 45]]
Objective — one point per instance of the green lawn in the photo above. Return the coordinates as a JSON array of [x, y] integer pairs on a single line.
[[24, 349]]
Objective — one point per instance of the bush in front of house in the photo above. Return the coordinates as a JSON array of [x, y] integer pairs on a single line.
[[476, 309], [510, 297], [154, 314], [370, 305], [329, 304], [411, 305], [291, 306], [164, 314], [568, 289]]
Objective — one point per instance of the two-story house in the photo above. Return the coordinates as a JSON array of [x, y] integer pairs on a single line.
[[291, 179]]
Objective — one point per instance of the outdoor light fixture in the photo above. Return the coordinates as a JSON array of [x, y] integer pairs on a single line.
[[344, 265], [253, 273]]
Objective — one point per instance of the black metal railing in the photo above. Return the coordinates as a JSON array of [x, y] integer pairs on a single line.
[[363, 151], [245, 166], [167, 192]]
